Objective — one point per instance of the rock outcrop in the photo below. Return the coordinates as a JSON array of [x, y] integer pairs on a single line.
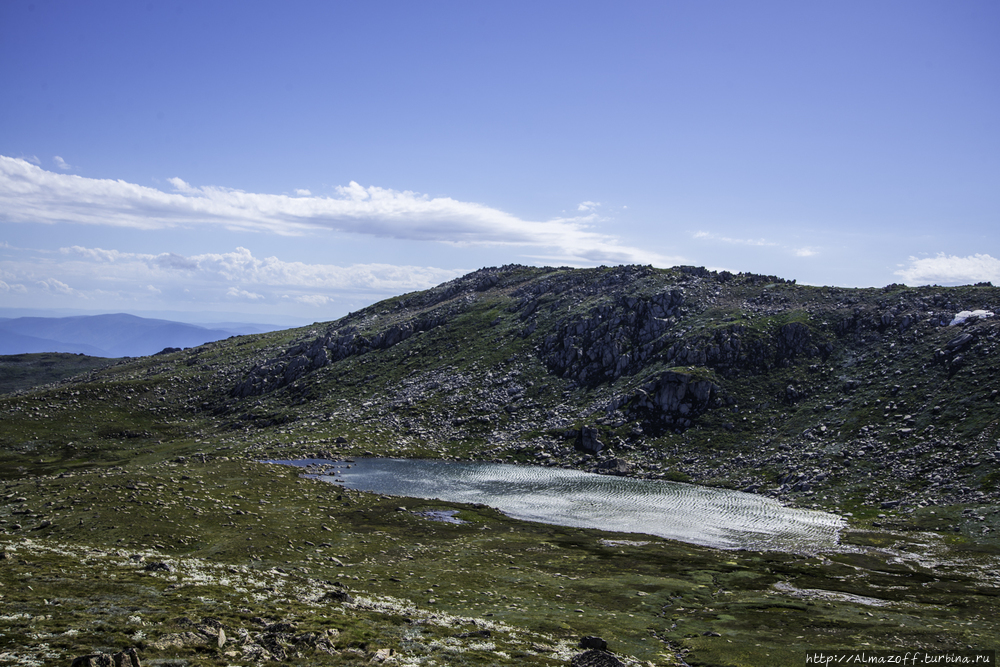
[[596, 658], [311, 355], [674, 399], [126, 658]]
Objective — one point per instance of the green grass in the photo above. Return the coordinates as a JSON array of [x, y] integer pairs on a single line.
[[648, 597], [24, 371]]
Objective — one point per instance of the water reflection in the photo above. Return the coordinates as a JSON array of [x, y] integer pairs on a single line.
[[699, 515]]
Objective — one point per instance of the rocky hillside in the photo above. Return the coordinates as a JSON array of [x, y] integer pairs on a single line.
[[879, 404], [744, 380]]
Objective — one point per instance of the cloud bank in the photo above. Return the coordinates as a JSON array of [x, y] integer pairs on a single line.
[[240, 268], [711, 236], [30, 194], [104, 277], [951, 270]]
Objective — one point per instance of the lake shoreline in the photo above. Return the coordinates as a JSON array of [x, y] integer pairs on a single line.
[[707, 516]]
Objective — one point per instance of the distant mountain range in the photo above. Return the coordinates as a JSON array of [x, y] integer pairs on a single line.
[[117, 335]]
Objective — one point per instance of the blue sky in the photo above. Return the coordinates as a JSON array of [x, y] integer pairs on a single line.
[[295, 161]]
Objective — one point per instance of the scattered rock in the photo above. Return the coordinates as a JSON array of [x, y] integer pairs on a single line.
[[383, 655], [126, 658], [179, 640]]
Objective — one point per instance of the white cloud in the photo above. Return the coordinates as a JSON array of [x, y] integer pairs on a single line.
[[710, 236], [96, 254], [30, 194], [61, 163], [241, 268], [238, 293], [56, 286], [12, 287], [758, 243], [313, 299], [32, 159], [951, 270], [302, 192], [588, 205], [154, 290]]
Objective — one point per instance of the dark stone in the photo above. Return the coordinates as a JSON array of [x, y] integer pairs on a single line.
[[158, 566], [590, 641], [596, 658], [589, 441], [126, 658], [338, 596], [959, 341], [615, 466], [270, 643], [280, 628]]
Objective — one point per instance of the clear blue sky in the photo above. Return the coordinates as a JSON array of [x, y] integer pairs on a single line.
[[301, 159]]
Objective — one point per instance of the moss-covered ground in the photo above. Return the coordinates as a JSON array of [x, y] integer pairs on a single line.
[[246, 540], [24, 371]]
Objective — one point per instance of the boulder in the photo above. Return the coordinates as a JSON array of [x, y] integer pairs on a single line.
[[589, 441], [615, 466], [959, 341], [596, 658], [158, 566], [126, 658], [591, 641], [338, 596]]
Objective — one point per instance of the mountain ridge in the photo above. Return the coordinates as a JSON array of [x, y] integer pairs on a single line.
[[108, 335], [867, 403]]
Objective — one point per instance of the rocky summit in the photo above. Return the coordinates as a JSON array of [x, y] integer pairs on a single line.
[[136, 503]]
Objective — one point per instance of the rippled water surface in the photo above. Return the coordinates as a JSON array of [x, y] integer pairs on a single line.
[[696, 514]]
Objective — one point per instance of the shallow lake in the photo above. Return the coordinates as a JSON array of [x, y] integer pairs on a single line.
[[696, 514]]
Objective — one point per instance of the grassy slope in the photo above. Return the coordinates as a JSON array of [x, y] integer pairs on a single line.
[[70, 454], [24, 371]]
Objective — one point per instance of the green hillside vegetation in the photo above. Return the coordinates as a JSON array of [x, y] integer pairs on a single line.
[[24, 371], [135, 510]]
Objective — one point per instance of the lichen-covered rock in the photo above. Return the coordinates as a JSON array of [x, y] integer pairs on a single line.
[[126, 658]]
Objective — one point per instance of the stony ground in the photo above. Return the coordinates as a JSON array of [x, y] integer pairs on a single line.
[[134, 512]]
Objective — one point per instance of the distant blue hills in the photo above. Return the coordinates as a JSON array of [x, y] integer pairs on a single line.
[[118, 335]]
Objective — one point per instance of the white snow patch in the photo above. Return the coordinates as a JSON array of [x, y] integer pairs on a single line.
[[969, 315]]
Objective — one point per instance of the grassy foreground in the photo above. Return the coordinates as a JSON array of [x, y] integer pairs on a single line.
[[157, 555]]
